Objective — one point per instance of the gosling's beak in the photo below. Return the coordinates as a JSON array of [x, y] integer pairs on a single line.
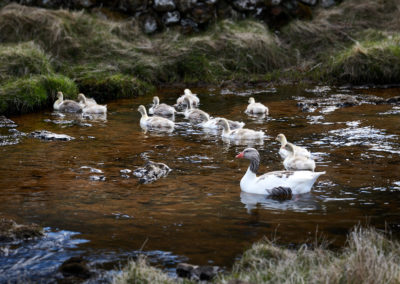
[[276, 139], [240, 155]]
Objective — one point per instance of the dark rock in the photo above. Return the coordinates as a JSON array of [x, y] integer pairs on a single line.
[[196, 272], [394, 100], [171, 18], [185, 270], [83, 3], [76, 267], [49, 136], [151, 172], [132, 6], [207, 272], [327, 3], [202, 13], [6, 122], [309, 2], [11, 231], [149, 24], [244, 5], [184, 5], [189, 26], [164, 5]]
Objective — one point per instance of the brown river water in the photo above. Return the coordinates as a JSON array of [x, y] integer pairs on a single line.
[[196, 214]]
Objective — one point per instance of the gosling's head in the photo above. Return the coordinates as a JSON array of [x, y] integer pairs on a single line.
[[81, 97], [251, 100], [281, 138], [188, 92], [222, 122], [142, 110], [289, 147], [156, 100], [59, 95]]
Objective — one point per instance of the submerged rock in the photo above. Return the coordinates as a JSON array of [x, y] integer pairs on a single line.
[[151, 172], [11, 231], [50, 136]]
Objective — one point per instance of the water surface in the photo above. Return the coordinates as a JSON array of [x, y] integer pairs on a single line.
[[197, 213]]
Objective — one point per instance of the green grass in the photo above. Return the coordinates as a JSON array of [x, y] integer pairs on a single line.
[[368, 257], [29, 94]]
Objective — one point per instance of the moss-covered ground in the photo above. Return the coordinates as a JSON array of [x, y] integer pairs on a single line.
[[44, 51]]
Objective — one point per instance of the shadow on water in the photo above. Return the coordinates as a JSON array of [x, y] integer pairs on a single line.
[[85, 193]]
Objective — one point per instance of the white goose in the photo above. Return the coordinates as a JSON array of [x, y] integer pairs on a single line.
[[239, 134], [67, 105], [154, 122], [84, 101], [283, 183], [161, 109], [212, 123], [300, 151], [296, 162], [256, 108], [194, 114], [90, 105], [193, 99]]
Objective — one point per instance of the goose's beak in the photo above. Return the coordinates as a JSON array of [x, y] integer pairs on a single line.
[[240, 155]]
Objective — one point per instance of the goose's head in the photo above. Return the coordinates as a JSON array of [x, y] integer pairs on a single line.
[[142, 110], [249, 154], [281, 138], [188, 102], [223, 122], [289, 147], [156, 100], [252, 100], [60, 95], [81, 98]]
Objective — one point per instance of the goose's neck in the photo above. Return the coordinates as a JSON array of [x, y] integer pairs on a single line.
[[254, 165], [144, 115], [225, 126]]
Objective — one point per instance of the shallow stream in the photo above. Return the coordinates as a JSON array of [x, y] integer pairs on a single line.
[[197, 213]]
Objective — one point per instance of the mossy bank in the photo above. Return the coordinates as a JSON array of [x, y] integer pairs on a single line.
[[44, 51], [368, 257]]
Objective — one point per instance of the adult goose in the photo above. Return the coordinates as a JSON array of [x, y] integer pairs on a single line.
[[283, 152], [195, 115], [297, 162], [90, 106], [277, 182], [239, 134], [154, 122], [67, 105], [194, 101], [256, 108], [161, 109]]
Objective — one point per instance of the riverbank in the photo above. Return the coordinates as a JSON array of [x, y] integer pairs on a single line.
[[368, 257], [45, 51]]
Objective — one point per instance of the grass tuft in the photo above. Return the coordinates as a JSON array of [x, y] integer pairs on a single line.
[[368, 257], [22, 59]]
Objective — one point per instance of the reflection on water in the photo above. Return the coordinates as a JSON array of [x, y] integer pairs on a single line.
[[196, 213]]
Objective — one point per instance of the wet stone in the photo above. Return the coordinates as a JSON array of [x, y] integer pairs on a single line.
[[97, 178], [49, 136], [171, 18], [6, 122], [151, 172], [11, 231], [164, 5], [75, 267], [196, 272]]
